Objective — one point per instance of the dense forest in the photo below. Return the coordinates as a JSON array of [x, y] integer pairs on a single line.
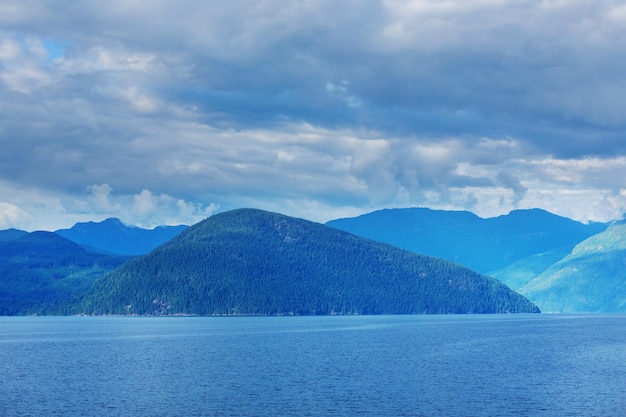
[[41, 271], [254, 262]]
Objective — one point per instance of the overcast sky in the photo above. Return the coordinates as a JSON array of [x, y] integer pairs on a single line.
[[165, 112]]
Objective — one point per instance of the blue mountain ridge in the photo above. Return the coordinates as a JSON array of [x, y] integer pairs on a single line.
[[543, 256], [484, 245], [590, 279], [111, 235]]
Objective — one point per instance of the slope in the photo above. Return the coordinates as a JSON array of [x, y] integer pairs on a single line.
[[485, 245], [113, 236], [254, 262], [521, 272], [41, 270], [592, 278]]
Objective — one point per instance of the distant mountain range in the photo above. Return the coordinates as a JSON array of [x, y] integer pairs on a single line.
[[111, 235], [559, 264], [254, 262], [485, 245], [591, 278]]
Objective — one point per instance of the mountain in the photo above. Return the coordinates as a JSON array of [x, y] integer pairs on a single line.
[[485, 245], [521, 272], [41, 270], [592, 278], [250, 262], [11, 234], [113, 236]]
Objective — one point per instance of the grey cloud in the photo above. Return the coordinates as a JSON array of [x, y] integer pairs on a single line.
[[510, 66], [350, 104], [510, 181]]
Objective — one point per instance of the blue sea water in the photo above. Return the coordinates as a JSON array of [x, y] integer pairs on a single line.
[[501, 365]]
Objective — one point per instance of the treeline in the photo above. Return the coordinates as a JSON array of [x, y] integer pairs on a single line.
[[253, 262]]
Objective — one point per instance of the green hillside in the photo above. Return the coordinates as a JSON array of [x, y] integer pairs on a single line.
[[592, 278], [40, 271], [254, 262]]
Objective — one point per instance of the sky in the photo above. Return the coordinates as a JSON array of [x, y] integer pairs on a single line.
[[166, 112]]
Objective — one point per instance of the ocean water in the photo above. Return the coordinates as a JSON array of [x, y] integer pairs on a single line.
[[502, 365]]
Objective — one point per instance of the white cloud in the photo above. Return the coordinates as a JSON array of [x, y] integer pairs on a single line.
[[373, 165], [36, 209], [144, 203], [312, 107], [99, 59], [21, 64], [12, 216], [195, 211], [100, 198]]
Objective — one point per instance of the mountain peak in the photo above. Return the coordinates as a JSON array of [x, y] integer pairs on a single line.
[[109, 222], [111, 235], [113, 221], [40, 244]]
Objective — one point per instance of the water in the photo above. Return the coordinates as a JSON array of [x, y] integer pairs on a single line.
[[517, 365]]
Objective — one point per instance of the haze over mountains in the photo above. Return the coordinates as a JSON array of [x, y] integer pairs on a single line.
[[591, 278], [559, 264], [545, 257], [485, 245]]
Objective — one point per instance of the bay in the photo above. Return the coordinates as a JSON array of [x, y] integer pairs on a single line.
[[474, 365]]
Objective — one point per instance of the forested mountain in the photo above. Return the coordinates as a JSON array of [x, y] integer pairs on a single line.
[[11, 234], [485, 245], [41, 270], [113, 236], [592, 278], [254, 262]]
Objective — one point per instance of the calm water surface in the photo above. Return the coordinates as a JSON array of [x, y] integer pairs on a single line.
[[515, 365]]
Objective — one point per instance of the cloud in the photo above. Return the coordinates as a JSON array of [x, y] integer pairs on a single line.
[[100, 198], [512, 182], [144, 203], [12, 216], [144, 208], [154, 111], [23, 58]]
